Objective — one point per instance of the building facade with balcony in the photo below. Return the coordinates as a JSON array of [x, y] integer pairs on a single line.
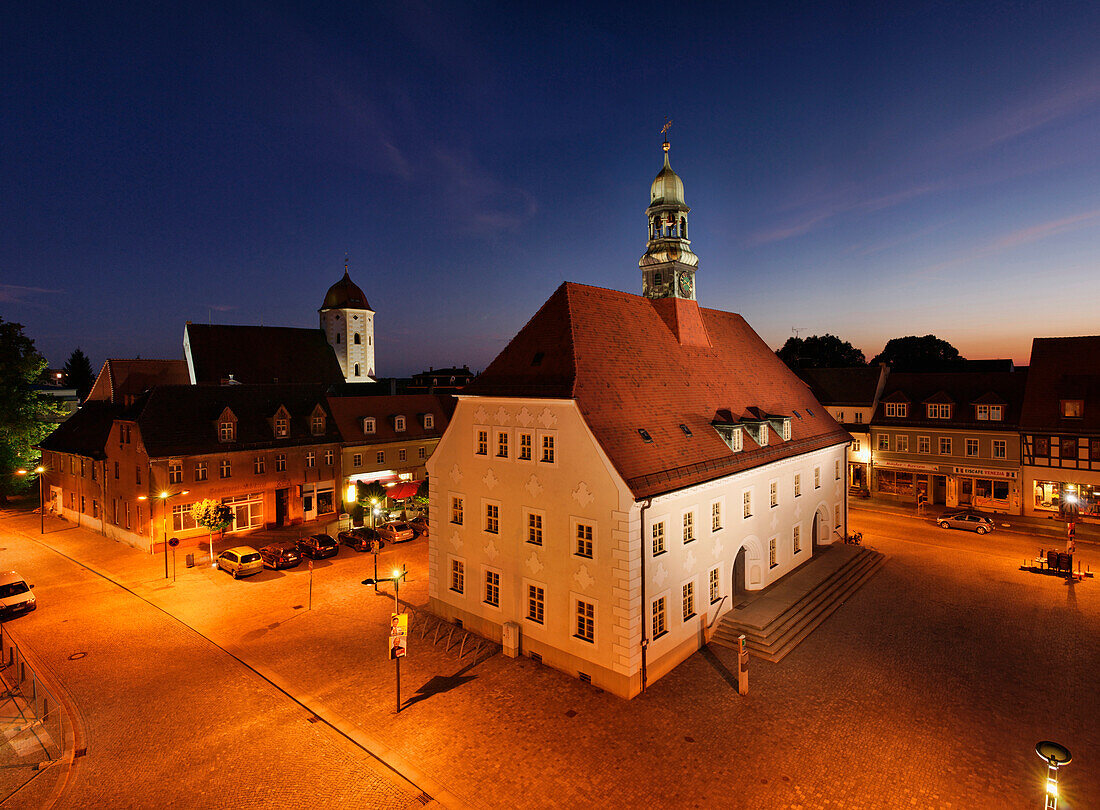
[[949, 439]]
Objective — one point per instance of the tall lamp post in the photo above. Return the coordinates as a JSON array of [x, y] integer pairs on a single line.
[[41, 495], [1055, 756], [164, 495], [398, 575]]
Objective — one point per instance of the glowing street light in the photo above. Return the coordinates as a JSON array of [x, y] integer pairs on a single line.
[[41, 495], [1055, 756], [163, 496], [398, 575]]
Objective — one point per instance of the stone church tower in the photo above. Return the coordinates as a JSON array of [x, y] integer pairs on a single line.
[[348, 323], [668, 266]]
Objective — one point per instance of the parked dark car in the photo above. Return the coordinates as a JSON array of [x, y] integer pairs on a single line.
[[420, 525], [318, 547], [281, 555], [965, 520], [360, 539]]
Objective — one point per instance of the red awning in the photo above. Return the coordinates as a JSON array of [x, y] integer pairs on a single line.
[[406, 489]]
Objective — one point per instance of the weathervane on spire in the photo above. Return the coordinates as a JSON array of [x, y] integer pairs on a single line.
[[664, 131], [345, 262]]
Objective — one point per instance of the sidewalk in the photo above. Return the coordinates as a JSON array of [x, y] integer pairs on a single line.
[[1024, 524]]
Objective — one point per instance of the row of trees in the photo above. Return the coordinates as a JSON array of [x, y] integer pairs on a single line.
[[911, 353]]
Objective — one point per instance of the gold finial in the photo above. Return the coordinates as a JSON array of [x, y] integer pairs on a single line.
[[345, 262], [664, 131]]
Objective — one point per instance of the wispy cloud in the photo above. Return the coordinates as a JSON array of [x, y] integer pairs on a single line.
[[480, 203], [14, 294]]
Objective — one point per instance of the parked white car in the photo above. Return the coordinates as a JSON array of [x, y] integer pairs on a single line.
[[15, 595]]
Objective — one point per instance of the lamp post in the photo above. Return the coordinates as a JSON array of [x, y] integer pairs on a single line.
[[1055, 756], [398, 575], [41, 496], [164, 495]]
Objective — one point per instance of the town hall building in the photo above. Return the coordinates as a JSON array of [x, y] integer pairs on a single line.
[[625, 471]]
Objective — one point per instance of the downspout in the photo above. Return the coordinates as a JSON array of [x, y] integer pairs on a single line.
[[847, 449], [645, 638]]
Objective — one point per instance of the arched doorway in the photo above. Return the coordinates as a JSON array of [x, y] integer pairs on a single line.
[[738, 590], [819, 531]]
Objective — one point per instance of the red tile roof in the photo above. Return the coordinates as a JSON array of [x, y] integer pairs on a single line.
[[120, 379], [619, 359], [348, 410]]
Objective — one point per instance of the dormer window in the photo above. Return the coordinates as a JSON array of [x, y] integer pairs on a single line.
[[939, 410], [282, 427], [399, 423], [732, 436], [368, 424], [317, 424], [1073, 408], [227, 431], [429, 421], [759, 432], [898, 410], [991, 413], [782, 425]]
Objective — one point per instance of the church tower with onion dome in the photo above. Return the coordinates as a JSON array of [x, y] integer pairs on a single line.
[[348, 323], [668, 266]]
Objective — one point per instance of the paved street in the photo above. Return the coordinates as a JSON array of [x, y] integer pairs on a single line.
[[929, 688]]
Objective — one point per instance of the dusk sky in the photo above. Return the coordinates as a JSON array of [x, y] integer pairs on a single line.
[[851, 168]]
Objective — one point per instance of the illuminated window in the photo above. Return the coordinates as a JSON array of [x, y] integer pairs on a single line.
[[586, 621], [1073, 408], [689, 600], [536, 603], [492, 588], [658, 533], [658, 616], [689, 526], [534, 528], [884, 441], [584, 540]]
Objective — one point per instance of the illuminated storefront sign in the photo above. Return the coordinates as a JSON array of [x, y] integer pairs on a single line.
[[982, 472]]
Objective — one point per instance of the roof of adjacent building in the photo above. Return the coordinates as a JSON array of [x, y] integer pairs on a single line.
[[120, 379], [345, 294], [350, 410], [86, 432], [855, 386], [960, 389], [617, 355], [260, 355], [1063, 368]]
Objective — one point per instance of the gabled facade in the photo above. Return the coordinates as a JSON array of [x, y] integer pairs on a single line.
[[949, 439], [621, 474], [1060, 427]]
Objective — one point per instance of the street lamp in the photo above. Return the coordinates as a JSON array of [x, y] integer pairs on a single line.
[[1055, 756], [41, 496], [398, 575], [164, 495]]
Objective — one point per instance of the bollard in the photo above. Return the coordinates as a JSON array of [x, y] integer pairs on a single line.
[[742, 666]]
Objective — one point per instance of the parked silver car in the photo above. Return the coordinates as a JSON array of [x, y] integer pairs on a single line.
[[965, 520], [240, 561]]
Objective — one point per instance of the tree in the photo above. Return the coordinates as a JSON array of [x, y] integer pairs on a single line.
[[25, 414], [369, 496], [78, 370], [927, 353], [214, 515], [820, 351]]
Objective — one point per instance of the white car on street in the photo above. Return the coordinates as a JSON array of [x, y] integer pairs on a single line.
[[15, 595]]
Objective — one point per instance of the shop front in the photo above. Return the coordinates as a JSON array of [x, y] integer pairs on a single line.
[[318, 500], [1049, 496], [987, 489], [908, 481]]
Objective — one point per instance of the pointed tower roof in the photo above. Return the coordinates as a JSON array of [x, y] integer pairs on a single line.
[[345, 294], [667, 188]]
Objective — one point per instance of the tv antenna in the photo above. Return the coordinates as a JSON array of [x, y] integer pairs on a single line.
[[797, 329]]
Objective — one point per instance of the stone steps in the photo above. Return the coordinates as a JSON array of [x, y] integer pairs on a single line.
[[786, 630]]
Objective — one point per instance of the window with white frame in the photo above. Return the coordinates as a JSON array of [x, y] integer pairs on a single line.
[[175, 472], [660, 625], [939, 410], [817, 478], [796, 538], [884, 441], [1000, 448], [689, 600], [972, 447], [858, 417], [458, 576], [747, 503], [855, 445], [502, 444], [402, 455], [534, 528], [586, 621], [422, 452], [584, 540], [716, 516], [548, 449], [945, 445], [797, 485], [657, 532], [715, 586], [689, 526], [924, 444], [901, 444], [456, 510], [369, 424], [492, 588], [259, 465], [429, 421], [897, 410], [357, 460], [996, 413], [200, 470], [492, 518], [282, 427], [482, 443], [773, 494], [380, 457], [329, 458], [772, 563], [182, 520], [280, 462], [227, 431], [317, 424], [399, 424], [525, 447], [536, 603], [225, 469], [311, 459]]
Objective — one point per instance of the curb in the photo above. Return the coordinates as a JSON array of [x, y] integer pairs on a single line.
[[1052, 532]]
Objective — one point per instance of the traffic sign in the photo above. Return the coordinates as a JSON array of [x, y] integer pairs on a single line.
[[175, 541]]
